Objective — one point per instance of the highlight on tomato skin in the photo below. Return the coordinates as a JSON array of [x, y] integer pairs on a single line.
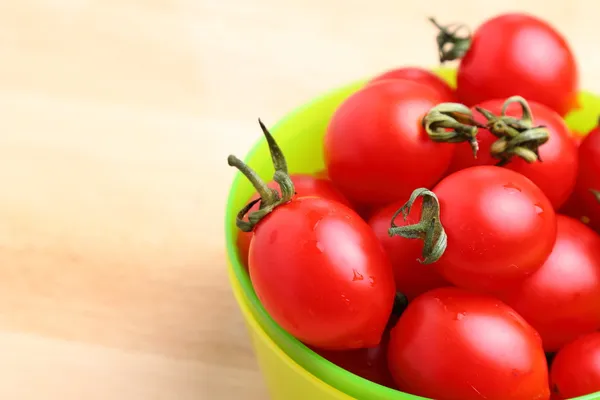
[[420, 75], [575, 370], [306, 185], [455, 344], [556, 170]]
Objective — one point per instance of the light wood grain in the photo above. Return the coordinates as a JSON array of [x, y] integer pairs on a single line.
[[116, 117]]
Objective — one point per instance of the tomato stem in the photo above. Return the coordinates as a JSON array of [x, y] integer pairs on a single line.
[[596, 194], [452, 123], [451, 45], [516, 136], [269, 198], [429, 228]]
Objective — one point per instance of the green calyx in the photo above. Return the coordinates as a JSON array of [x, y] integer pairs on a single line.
[[596, 194], [451, 44], [429, 228], [452, 123], [516, 136], [269, 198]]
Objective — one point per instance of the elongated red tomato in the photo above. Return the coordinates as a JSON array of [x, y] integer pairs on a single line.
[[452, 344], [561, 300], [575, 370], [412, 277], [517, 54], [315, 265], [376, 149], [420, 75], [555, 174], [306, 186], [585, 202], [322, 274]]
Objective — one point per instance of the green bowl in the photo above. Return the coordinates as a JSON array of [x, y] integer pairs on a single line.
[[300, 135]]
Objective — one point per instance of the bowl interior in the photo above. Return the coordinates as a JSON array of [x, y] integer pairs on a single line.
[[300, 136]]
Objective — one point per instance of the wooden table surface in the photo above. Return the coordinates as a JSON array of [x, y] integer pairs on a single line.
[[116, 117]]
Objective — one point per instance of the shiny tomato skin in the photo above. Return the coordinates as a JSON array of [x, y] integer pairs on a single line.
[[412, 277], [555, 174], [452, 344], [376, 149], [575, 370], [583, 204], [321, 274], [420, 75], [561, 300], [305, 185], [369, 363], [518, 54], [500, 228]]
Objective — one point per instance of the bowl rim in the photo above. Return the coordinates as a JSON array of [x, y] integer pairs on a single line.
[[311, 362]]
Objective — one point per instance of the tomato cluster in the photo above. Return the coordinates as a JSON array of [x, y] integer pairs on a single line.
[[451, 248]]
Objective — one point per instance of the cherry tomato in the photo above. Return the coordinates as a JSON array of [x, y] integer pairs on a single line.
[[499, 224], [412, 278], [321, 273], [561, 300], [518, 54], [452, 344], [376, 149], [315, 265], [555, 174], [575, 370], [420, 75], [368, 363], [306, 185], [584, 204]]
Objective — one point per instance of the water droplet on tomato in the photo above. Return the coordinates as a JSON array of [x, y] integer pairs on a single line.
[[511, 187], [357, 276], [321, 247], [538, 209], [460, 316]]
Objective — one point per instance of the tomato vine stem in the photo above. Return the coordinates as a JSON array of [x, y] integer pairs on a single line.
[[516, 136], [452, 123], [269, 198], [429, 228], [451, 45]]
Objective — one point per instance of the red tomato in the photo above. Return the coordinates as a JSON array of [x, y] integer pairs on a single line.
[[452, 344], [562, 299], [555, 174], [321, 273], [315, 265], [412, 278], [575, 370], [500, 227], [376, 149], [583, 203], [420, 75], [368, 363], [305, 185], [518, 54]]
